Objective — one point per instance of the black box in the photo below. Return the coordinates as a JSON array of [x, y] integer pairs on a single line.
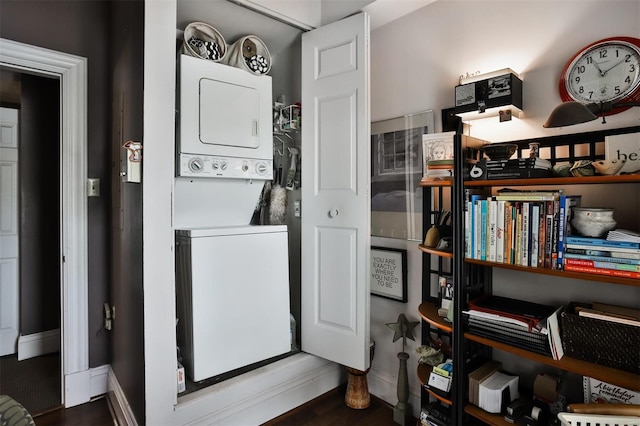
[[497, 91]]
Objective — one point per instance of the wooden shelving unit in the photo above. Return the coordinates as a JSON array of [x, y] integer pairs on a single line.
[[561, 149]]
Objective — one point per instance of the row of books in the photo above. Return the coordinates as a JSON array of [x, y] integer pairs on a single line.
[[525, 228], [616, 258], [439, 169]]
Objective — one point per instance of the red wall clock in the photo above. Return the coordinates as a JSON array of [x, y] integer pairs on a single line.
[[607, 70]]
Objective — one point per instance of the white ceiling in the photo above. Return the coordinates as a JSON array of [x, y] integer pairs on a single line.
[[232, 20], [384, 11]]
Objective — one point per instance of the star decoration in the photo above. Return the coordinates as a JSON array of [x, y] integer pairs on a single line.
[[402, 328]]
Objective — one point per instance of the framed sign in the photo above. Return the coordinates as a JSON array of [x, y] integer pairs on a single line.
[[389, 273], [624, 147]]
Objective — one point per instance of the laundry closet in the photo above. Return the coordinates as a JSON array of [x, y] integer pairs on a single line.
[[251, 287], [235, 301]]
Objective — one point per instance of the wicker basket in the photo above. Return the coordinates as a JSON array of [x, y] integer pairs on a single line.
[[599, 341]]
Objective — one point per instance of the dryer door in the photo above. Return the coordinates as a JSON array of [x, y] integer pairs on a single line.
[[233, 122]]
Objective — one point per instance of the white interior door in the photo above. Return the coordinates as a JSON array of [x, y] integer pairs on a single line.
[[336, 192], [8, 231]]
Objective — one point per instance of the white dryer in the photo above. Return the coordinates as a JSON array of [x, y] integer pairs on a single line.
[[224, 143]]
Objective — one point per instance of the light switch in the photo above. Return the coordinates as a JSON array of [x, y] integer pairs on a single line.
[[93, 187]]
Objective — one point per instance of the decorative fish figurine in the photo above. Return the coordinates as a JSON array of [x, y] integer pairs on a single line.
[[583, 168], [608, 167]]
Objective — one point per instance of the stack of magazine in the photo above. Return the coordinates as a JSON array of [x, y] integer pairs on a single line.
[[517, 323]]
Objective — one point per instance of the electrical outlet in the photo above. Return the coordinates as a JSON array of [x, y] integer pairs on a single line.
[[297, 208]]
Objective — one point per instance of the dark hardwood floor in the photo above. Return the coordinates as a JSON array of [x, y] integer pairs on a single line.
[[330, 409], [95, 413], [327, 409]]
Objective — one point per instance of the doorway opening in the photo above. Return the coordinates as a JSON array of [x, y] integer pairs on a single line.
[[70, 305], [31, 255]]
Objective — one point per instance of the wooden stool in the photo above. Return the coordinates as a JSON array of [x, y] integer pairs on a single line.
[[357, 395]]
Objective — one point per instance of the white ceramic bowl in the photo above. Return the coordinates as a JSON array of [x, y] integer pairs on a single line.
[[592, 221]]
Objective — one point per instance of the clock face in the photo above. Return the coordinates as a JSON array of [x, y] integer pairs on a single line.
[[606, 71]]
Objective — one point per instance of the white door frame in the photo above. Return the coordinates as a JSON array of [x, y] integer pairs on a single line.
[[72, 72]]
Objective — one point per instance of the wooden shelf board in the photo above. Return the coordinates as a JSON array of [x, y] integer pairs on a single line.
[[488, 418], [430, 250], [435, 182], [607, 374], [429, 312], [556, 181], [567, 274], [423, 376]]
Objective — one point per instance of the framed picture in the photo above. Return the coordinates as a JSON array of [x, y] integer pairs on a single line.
[[389, 273], [396, 170], [446, 290], [437, 155]]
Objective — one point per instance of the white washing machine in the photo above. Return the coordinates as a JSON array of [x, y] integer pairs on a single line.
[[232, 297]]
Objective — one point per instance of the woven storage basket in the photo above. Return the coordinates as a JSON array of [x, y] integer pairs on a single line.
[[208, 36], [246, 49], [599, 341]]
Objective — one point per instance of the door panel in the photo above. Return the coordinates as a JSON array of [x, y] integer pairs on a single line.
[[8, 231], [335, 191]]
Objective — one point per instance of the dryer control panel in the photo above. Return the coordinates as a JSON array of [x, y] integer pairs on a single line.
[[209, 166]]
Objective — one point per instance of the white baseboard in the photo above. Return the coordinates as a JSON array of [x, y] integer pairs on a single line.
[[252, 398], [99, 380], [36, 344], [385, 387], [260, 395], [122, 409]]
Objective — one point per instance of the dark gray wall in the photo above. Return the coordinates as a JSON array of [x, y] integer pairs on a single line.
[[126, 57], [80, 28], [39, 174]]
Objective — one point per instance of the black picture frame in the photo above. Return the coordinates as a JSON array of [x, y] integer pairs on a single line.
[[389, 273]]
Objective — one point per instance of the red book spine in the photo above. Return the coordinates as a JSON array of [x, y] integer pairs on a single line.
[[602, 271]]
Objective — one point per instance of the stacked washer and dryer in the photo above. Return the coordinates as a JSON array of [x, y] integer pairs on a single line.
[[232, 278]]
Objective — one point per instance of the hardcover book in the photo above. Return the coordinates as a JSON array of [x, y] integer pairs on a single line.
[[588, 241]]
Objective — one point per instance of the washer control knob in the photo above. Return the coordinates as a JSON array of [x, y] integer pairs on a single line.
[[223, 165], [196, 165], [245, 167], [261, 168], [215, 165]]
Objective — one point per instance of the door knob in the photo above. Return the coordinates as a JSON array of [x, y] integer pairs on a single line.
[[333, 213]]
